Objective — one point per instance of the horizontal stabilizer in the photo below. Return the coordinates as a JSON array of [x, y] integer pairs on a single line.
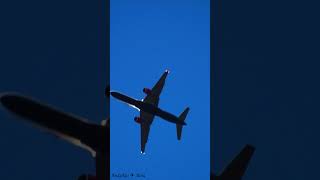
[[182, 118]]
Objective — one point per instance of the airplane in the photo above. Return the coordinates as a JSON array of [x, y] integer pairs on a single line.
[[92, 137], [148, 108], [237, 167]]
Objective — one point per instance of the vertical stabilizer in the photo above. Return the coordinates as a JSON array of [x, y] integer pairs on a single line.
[[238, 166]]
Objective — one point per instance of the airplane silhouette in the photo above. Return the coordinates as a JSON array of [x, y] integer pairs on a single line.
[[148, 108], [94, 138], [237, 167]]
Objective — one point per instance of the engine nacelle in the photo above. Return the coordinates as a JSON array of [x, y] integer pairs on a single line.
[[147, 91], [137, 119], [87, 177]]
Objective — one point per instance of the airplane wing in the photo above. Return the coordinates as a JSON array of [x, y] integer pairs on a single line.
[[145, 124], [153, 96], [145, 128]]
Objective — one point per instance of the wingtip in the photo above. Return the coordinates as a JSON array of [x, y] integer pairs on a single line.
[[143, 153], [167, 71]]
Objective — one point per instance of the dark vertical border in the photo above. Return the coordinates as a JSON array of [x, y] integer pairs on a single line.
[[108, 82], [215, 41], [211, 87]]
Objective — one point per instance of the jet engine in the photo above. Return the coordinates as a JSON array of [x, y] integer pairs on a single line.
[[147, 91], [87, 177], [137, 119]]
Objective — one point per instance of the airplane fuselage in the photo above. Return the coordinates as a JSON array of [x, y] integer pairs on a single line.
[[149, 108]]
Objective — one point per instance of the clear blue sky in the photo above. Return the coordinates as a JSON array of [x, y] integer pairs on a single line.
[[148, 37]]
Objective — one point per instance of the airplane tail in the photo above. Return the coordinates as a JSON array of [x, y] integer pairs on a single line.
[[236, 169], [182, 117]]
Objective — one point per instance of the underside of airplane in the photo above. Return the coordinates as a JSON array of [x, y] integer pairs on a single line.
[[149, 109]]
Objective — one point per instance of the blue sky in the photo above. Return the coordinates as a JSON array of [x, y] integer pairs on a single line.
[[148, 37]]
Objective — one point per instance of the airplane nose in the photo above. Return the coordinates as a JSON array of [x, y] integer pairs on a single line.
[[17, 104], [117, 95], [7, 100], [113, 93]]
